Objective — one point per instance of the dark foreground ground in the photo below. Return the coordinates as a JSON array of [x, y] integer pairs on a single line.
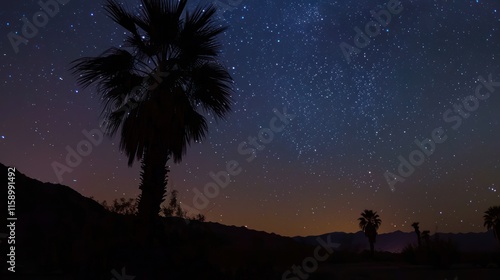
[[359, 271], [368, 271]]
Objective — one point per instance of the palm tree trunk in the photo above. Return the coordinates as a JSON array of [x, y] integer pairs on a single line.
[[496, 231], [153, 183], [372, 249], [153, 189]]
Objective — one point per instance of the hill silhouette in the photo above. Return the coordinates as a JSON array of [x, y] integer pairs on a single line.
[[61, 234], [395, 242]]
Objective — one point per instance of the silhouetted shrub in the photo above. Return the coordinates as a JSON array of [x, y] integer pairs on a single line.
[[439, 253], [172, 209]]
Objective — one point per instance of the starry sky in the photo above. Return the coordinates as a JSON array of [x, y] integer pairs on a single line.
[[351, 121]]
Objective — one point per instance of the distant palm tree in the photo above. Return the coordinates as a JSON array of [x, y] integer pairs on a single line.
[[492, 220], [157, 86], [369, 222], [417, 231], [426, 237]]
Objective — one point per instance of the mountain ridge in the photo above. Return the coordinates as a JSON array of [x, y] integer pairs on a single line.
[[395, 241]]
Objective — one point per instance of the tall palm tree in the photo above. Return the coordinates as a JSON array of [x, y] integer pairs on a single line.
[[492, 220], [369, 222], [157, 87], [417, 231]]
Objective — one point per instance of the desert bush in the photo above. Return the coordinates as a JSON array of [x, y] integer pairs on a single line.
[[438, 253], [171, 209]]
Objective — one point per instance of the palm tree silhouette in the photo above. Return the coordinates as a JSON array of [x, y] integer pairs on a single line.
[[492, 220], [369, 222], [417, 231], [158, 85]]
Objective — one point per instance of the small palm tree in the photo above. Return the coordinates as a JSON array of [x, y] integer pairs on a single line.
[[369, 222], [492, 220], [156, 87], [417, 231]]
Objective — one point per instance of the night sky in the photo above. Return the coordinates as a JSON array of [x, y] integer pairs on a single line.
[[350, 123]]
